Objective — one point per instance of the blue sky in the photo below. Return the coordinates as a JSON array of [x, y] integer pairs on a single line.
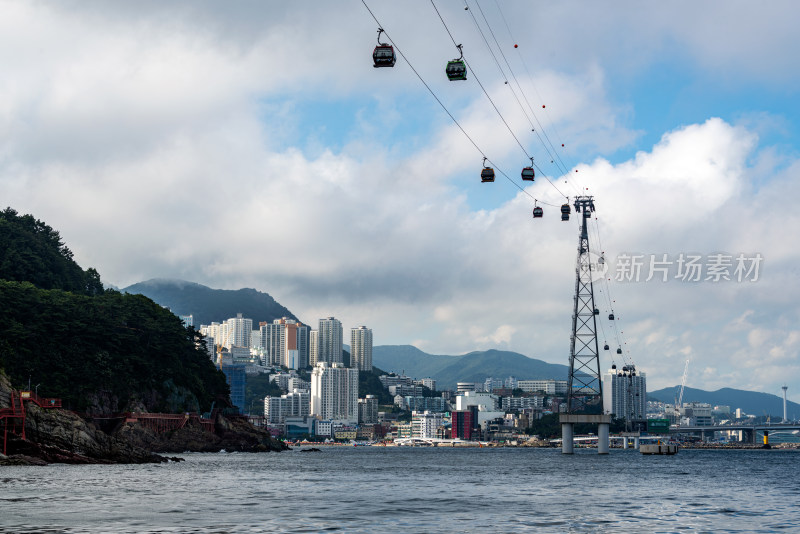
[[252, 144]]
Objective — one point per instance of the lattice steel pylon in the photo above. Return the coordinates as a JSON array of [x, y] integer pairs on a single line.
[[584, 389]]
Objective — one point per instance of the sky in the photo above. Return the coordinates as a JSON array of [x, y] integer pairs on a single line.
[[252, 144]]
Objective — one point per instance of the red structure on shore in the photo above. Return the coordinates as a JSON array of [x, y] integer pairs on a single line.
[[15, 415]]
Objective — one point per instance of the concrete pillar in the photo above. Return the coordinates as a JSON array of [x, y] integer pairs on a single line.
[[624, 442], [567, 445], [602, 438], [636, 443]]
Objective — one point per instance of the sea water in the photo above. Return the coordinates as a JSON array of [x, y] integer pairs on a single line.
[[405, 489]]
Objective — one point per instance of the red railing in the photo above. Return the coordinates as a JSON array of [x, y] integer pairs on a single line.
[[12, 415], [42, 402], [165, 422]]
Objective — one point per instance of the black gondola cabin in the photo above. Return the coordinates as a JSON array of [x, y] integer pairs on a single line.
[[528, 174], [384, 56], [538, 212], [456, 70]]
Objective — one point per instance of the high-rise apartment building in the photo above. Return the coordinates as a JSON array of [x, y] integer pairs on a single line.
[[368, 410], [625, 393], [329, 341], [334, 392], [285, 342], [294, 404], [426, 424], [313, 348], [239, 329], [361, 348]]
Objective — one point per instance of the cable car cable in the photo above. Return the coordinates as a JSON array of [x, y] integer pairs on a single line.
[[562, 168], [472, 70], [530, 77], [448, 111]]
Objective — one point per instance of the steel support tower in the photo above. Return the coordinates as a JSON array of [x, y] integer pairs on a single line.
[[585, 389]]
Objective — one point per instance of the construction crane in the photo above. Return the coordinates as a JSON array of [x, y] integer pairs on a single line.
[[683, 381], [679, 397]]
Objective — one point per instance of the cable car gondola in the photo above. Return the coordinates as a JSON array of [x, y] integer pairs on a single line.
[[610, 316], [383, 55], [619, 351], [456, 69], [565, 211], [538, 212], [605, 347], [487, 174], [596, 311], [528, 174]]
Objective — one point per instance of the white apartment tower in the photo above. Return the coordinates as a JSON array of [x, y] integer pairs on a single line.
[[329, 341], [334, 392], [239, 330], [625, 393], [361, 348], [313, 348]]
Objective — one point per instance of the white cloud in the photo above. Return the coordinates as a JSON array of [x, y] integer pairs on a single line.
[[166, 140]]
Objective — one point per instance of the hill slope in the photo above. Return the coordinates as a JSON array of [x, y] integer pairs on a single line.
[[752, 402], [31, 251], [472, 367], [208, 305], [100, 351]]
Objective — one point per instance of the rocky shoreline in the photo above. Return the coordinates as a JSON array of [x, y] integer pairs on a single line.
[[62, 436]]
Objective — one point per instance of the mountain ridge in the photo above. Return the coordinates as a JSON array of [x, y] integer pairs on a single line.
[[474, 366], [752, 402], [208, 305]]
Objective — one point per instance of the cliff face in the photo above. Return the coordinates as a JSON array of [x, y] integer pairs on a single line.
[[230, 434], [61, 436]]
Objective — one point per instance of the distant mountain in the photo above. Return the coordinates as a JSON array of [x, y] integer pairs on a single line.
[[472, 367], [751, 402], [207, 305]]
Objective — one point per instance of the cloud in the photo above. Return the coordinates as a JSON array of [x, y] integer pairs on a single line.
[[185, 140]]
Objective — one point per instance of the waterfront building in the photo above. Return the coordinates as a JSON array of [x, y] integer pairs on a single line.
[[548, 387], [426, 424], [361, 348], [464, 423], [625, 393], [368, 410], [696, 414], [294, 404], [334, 392], [487, 405]]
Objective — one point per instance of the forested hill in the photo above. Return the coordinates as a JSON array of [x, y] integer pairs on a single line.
[[207, 305], [31, 251], [98, 350]]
